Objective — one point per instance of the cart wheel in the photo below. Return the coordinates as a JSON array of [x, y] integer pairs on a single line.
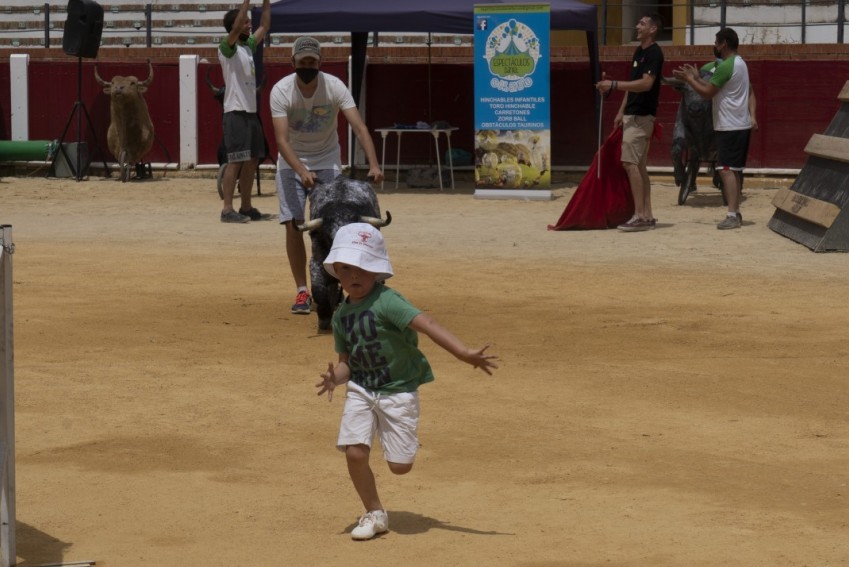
[[689, 183], [143, 170], [221, 180]]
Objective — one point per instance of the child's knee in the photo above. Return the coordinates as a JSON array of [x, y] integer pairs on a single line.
[[357, 453], [400, 468]]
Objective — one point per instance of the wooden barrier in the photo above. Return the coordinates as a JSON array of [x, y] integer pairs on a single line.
[[814, 211]]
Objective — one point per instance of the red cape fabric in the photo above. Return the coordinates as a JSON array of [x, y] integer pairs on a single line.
[[600, 201]]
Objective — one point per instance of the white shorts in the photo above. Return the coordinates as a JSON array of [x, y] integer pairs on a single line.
[[394, 417]]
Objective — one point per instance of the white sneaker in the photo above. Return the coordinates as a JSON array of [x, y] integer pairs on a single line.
[[371, 524]]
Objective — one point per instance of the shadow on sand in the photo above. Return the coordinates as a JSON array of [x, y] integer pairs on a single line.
[[409, 523]]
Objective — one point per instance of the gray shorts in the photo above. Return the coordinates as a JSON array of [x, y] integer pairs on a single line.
[[243, 137], [293, 195]]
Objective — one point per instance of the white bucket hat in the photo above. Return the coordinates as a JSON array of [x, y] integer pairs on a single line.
[[361, 245]]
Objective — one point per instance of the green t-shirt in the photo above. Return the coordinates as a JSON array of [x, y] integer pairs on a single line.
[[731, 103], [237, 66], [229, 50], [383, 351], [709, 68]]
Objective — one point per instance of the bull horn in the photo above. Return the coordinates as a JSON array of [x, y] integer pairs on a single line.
[[97, 78], [216, 91], [313, 224], [672, 81], [146, 82], [377, 222]]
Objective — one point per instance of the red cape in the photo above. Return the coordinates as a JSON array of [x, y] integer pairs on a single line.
[[600, 201]]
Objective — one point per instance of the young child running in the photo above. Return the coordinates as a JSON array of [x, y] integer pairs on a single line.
[[375, 334]]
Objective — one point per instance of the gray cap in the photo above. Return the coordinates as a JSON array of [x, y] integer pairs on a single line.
[[306, 46]]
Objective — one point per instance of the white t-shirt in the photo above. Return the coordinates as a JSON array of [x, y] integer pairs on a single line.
[[312, 121], [731, 103], [237, 66]]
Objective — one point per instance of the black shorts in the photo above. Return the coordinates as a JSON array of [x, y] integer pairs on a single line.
[[732, 147], [243, 137]]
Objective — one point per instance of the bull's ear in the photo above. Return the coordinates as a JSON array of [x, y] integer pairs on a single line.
[[141, 88], [108, 89]]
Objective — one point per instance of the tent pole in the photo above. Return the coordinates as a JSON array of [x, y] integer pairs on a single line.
[[359, 48], [429, 86]]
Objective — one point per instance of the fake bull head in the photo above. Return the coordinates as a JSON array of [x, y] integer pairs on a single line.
[[315, 224], [118, 85]]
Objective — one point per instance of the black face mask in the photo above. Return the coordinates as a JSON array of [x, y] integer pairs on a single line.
[[306, 75]]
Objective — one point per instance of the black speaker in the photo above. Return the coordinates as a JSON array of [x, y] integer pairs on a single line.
[[83, 28]]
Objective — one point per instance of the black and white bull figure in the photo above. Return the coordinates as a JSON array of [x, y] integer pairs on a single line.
[[692, 135], [332, 206]]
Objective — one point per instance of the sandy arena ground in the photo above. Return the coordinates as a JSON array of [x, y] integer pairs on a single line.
[[671, 398]]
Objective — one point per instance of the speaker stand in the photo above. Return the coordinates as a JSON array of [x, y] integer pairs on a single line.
[[80, 110]]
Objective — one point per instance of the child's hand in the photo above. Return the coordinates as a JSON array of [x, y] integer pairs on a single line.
[[328, 382], [478, 359]]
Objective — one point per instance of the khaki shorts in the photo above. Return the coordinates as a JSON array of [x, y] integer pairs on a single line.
[[636, 135]]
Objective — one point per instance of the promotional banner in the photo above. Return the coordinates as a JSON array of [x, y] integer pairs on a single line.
[[512, 98]]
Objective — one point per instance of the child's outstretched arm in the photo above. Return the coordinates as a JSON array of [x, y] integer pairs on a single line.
[[334, 376], [440, 335]]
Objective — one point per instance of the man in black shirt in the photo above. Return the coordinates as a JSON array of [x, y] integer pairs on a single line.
[[637, 115]]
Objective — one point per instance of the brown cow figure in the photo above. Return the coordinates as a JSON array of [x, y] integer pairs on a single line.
[[130, 134]]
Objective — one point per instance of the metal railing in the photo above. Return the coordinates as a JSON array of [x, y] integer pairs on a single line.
[[147, 25], [756, 21]]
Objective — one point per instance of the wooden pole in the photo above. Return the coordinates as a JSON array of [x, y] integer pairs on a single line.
[[8, 552]]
